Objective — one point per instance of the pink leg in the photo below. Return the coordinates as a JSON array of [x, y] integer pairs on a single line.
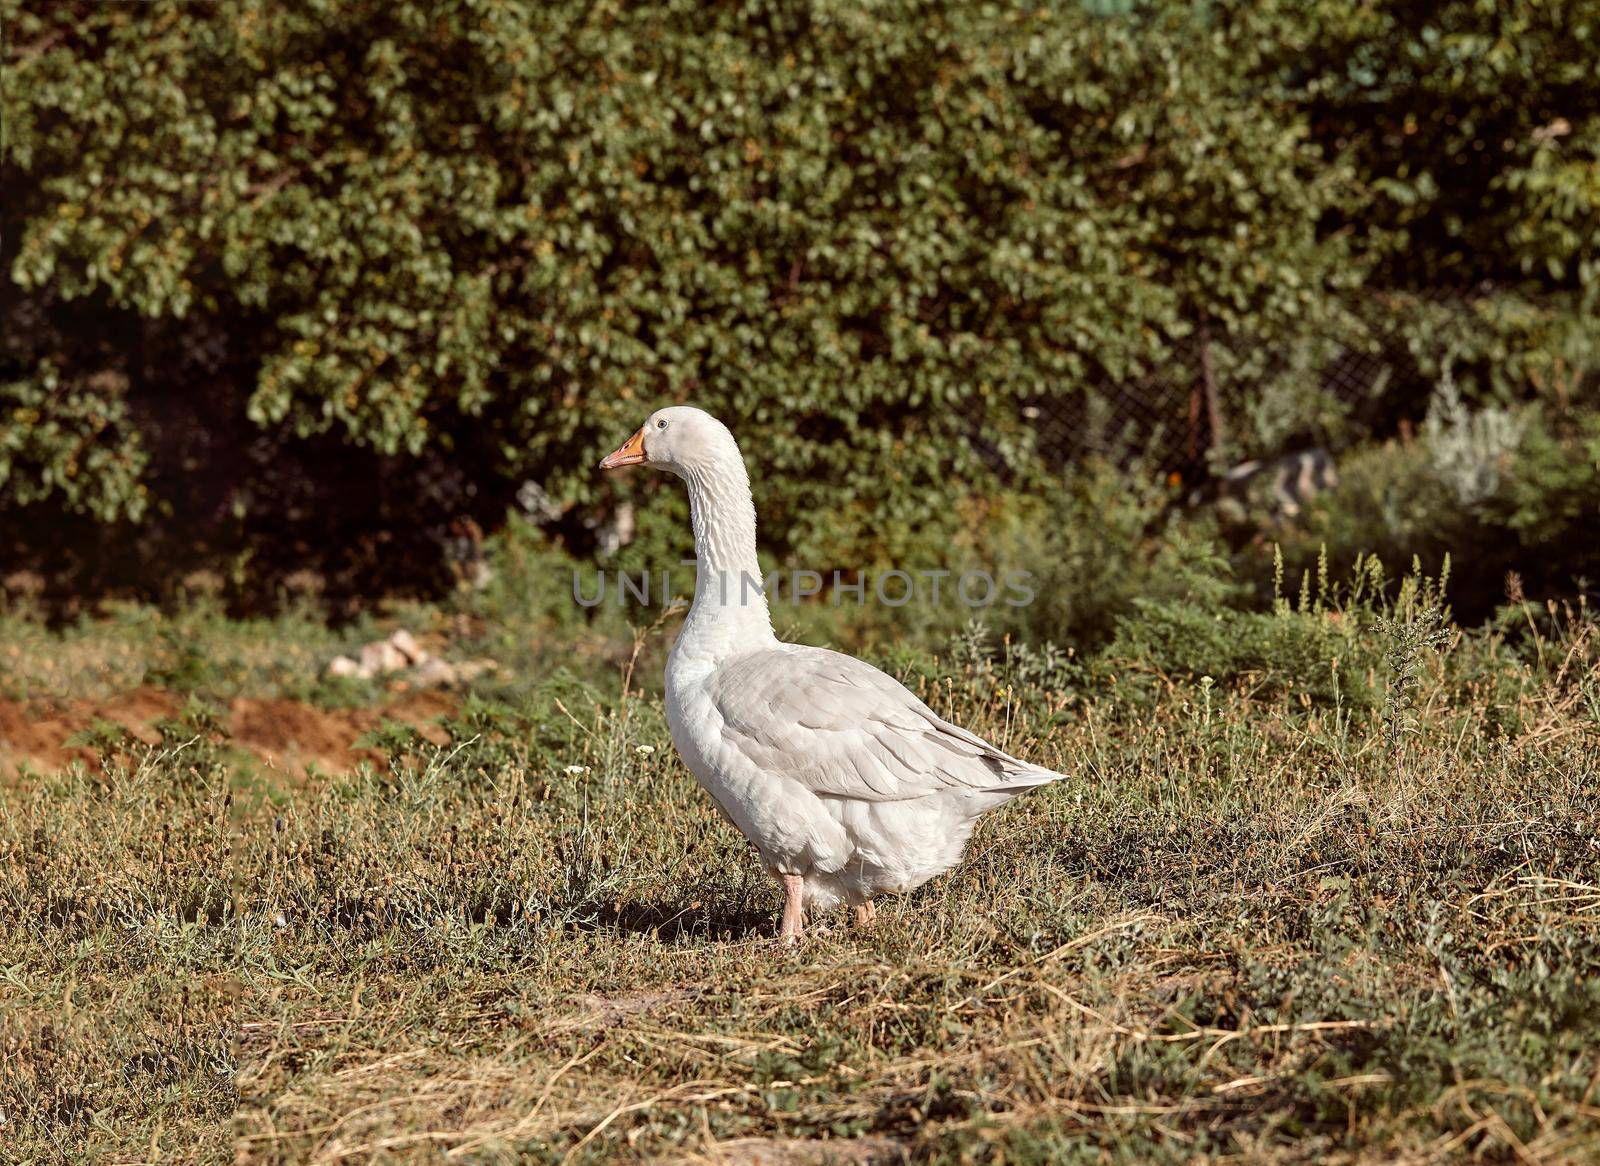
[[865, 913], [793, 914]]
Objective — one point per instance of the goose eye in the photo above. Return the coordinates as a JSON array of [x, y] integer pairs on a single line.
[[662, 424]]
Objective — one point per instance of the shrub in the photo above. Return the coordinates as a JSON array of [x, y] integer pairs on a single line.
[[278, 273], [1476, 128], [480, 240], [1202, 628], [1462, 491]]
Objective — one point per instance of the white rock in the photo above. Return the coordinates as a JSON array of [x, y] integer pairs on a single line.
[[408, 647], [381, 657], [343, 666], [433, 673]]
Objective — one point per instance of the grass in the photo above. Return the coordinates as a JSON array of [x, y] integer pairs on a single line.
[[1256, 924]]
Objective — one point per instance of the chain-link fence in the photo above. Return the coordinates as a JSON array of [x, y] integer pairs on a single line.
[[1216, 399]]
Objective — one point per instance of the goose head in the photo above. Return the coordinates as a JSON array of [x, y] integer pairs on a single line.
[[680, 439]]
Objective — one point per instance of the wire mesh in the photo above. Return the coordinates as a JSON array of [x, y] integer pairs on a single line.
[[1197, 409]]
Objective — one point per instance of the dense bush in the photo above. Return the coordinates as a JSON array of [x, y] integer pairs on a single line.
[[1475, 128], [304, 283], [1514, 497]]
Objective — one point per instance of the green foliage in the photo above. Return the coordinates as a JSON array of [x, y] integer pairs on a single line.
[[1416, 626], [1091, 545], [1203, 629], [855, 234], [1476, 128], [72, 443], [375, 264], [1502, 347], [1554, 495], [1465, 492]]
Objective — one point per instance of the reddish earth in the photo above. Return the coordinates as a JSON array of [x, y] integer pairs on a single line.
[[283, 734]]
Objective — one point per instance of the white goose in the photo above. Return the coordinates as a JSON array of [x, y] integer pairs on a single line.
[[847, 784]]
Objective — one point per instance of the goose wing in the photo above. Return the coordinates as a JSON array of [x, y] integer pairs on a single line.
[[843, 729]]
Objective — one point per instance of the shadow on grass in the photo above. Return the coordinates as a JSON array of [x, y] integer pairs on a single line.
[[673, 920]]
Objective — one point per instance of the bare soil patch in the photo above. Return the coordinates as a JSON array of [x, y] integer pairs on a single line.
[[283, 734]]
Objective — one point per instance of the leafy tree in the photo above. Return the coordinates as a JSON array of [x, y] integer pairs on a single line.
[[1476, 130], [291, 271]]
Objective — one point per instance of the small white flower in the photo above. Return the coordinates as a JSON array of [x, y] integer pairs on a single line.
[[644, 750], [574, 770]]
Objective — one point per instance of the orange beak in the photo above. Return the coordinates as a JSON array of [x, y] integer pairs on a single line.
[[630, 453]]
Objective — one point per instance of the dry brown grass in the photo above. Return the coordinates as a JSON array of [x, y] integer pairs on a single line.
[[1252, 934]]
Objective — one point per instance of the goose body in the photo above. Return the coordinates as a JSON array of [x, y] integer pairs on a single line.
[[846, 783]]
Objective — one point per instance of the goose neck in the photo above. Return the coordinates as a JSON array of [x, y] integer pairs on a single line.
[[728, 594]]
